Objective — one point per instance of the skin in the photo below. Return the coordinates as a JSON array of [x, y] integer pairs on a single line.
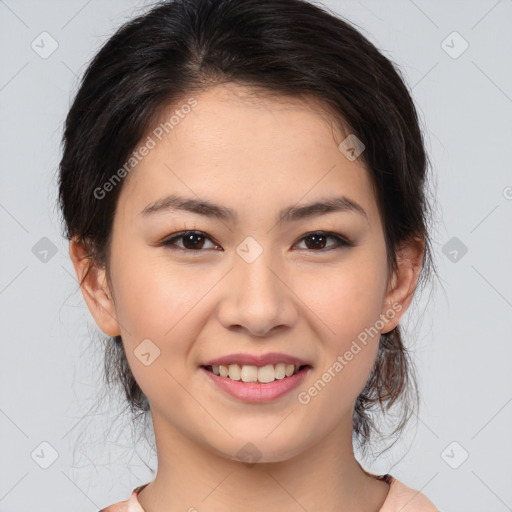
[[256, 156]]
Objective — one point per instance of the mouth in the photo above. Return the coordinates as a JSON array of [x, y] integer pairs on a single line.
[[259, 374], [256, 384]]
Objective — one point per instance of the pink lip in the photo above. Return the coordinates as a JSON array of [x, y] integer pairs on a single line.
[[256, 391], [256, 360]]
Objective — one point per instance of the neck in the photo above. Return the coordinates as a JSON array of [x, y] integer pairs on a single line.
[[324, 477]]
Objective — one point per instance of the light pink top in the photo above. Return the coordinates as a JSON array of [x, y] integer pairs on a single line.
[[400, 498]]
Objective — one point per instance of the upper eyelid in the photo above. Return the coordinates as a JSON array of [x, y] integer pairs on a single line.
[[343, 240], [180, 234]]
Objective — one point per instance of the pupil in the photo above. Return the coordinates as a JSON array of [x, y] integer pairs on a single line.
[[316, 237], [189, 239]]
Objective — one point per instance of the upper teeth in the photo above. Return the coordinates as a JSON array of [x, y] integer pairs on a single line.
[[249, 373]]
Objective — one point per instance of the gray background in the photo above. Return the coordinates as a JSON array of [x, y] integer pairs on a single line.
[[50, 369]]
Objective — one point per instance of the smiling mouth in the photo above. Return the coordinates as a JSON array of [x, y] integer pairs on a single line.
[[261, 374]]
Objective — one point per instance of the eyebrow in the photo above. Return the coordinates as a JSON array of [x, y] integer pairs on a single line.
[[289, 214]]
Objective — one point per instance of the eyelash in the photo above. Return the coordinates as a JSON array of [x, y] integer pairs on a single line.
[[169, 242]]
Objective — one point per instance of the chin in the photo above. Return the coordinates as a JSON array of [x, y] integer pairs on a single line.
[[259, 450]]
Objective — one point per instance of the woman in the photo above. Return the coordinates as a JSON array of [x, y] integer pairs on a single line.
[[242, 184]]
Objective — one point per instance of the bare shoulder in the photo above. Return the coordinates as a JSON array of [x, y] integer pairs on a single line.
[[405, 499], [122, 506]]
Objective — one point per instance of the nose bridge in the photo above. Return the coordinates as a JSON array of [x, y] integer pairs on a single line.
[[257, 298], [258, 287], [259, 281]]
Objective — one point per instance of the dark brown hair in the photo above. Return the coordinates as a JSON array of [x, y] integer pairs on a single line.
[[284, 47]]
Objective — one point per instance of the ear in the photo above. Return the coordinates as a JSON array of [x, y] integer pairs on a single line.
[[403, 283], [95, 289]]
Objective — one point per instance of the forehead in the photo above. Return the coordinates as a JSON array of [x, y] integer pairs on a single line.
[[246, 149]]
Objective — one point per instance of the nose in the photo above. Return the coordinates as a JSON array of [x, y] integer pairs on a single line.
[[257, 299]]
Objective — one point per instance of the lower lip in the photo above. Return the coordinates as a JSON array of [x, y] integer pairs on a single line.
[[256, 391]]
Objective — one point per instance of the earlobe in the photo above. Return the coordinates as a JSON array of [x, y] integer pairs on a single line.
[[403, 283], [95, 289]]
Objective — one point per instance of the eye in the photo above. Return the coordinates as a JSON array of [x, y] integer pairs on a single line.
[[193, 241], [317, 241]]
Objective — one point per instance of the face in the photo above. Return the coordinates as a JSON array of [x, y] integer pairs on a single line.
[[309, 286]]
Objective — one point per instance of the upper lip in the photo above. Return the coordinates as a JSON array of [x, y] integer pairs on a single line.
[[256, 360]]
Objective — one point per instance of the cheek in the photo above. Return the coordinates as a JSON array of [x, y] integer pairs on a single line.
[[348, 352], [348, 297], [159, 305], [345, 303], [156, 302], [152, 296]]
